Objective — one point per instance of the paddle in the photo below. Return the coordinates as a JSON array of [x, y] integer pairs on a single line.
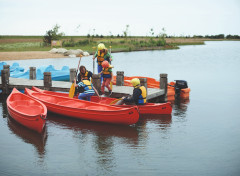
[[96, 92], [72, 89], [110, 62], [93, 60]]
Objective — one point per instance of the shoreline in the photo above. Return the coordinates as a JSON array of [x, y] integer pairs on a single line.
[[25, 55]]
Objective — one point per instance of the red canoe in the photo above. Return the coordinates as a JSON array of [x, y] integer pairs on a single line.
[[148, 108], [96, 99], [152, 108], [86, 110], [27, 111]]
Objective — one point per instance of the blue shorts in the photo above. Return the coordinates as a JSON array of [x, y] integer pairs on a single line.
[[83, 96]]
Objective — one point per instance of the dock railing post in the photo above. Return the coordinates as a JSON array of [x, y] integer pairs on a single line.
[[32, 73], [143, 82], [47, 80], [7, 67], [5, 81], [163, 85], [96, 81], [72, 74], [120, 78]]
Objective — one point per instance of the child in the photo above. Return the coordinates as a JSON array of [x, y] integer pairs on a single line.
[[139, 94], [107, 77], [85, 88], [102, 54]]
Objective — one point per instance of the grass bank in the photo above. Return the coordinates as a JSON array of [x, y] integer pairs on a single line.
[[119, 44]]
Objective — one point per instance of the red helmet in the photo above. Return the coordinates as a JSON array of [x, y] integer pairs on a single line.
[[105, 64]]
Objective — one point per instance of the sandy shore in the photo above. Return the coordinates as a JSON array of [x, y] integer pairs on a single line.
[[5, 56]]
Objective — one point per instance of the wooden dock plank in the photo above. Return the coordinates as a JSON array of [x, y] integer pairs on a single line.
[[21, 83]]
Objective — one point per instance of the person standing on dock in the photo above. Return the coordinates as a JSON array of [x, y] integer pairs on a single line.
[[102, 54], [85, 88], [139, 94], [107, 77]]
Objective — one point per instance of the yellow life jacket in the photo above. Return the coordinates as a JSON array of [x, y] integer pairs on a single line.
[[87, 83], [106, 71], [143, 96], [85, 76], [100, 58]]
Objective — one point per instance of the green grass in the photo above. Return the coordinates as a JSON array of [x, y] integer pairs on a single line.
[[26, 46], [34, 43]]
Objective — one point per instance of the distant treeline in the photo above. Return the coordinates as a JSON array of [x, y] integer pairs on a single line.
[[219, 36]]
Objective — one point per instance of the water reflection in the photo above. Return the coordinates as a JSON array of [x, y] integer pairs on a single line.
[[104, 136], [129, 133], [180, 107], [4, 106], [29, 136], [162, 120]]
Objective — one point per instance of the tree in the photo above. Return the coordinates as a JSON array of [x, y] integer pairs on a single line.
[[151, 32], [162, 36], [52, 34], [125, 33]]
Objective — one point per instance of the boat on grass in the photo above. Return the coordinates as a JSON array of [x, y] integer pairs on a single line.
[[27, 111], [86, 110]]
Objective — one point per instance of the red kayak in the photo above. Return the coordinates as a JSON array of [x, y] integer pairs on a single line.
[[27, 111], [148, 108], [86, 110]]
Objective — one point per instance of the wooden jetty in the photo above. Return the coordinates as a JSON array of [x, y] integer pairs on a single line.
[[7, 83]]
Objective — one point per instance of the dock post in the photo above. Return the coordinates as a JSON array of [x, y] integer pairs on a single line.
[[5, 81], [72, 74], [32, 73], [7, 67], [47, 80], [96, 81], [120, 78], [163, 85], [143, 82]]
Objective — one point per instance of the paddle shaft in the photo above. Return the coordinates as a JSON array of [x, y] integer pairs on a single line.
[[78, 65], [93, 61], [110, 63], [96, 92]]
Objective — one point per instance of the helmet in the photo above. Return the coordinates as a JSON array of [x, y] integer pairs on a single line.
[[101, 46], [105, 64], [135, 82]]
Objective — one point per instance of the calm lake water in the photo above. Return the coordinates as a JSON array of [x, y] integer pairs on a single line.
[[201, 137]]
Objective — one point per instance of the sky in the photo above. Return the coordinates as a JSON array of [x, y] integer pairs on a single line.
[[106, 17]]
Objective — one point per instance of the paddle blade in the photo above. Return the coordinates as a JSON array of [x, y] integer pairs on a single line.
[[72, 91]]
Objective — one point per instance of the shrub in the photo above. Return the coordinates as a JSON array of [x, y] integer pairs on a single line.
[[52, 34]]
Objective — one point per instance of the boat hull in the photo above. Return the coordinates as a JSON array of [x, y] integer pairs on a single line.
[[27, 111], [152, 108], [149, 108], [85, 110]]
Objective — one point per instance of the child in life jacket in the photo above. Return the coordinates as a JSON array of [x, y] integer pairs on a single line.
[[139, 94], [107, 76], [102, 54], [85, 88]]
